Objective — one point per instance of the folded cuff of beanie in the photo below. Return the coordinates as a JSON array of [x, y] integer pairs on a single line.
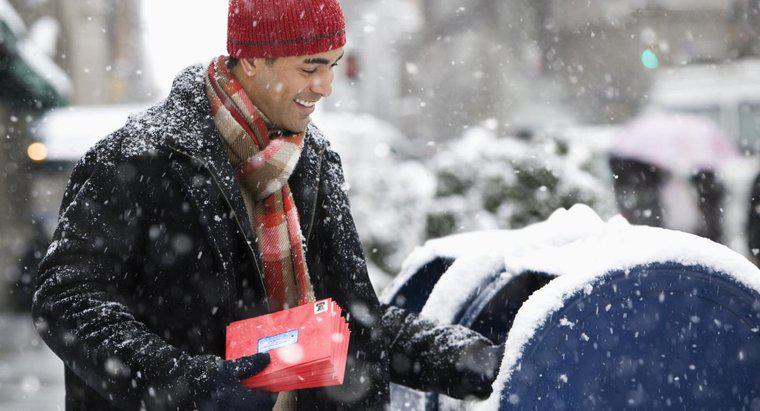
[[287, 47]]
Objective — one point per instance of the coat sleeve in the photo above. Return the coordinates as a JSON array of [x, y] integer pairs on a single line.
[[449, 359], [82, 306], [422, 355]]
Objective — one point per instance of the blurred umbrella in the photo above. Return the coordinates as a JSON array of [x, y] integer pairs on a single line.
[[677, 142]]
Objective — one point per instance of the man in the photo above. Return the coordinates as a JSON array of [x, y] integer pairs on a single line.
[[222, 203]]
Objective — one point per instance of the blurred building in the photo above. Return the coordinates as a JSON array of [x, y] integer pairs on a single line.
[[98, 45], [29, 84], [437, 67], [373, 68], [55, 52], [526, 64], [607, 52], [101, 48], [471, 63]]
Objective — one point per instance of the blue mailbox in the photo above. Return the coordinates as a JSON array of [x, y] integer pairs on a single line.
[[624, 317], [655, 336], [411, 290]]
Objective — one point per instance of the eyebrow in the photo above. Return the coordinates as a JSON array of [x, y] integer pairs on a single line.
[[320, 60]]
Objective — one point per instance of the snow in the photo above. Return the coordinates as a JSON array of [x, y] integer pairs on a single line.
[[598, 138], [44, 34], [578, 248], [388, 207], [691, 5], [562, 227], [196, 32], [677, 142], [489, 181], [14, 22], [716, 83], [34, 54], [70, 131], [579, 264], [680, 204], [738, 177], [376, 30], [458, 285], [31, 375], [45, 67], [379, 278], [481, 254], [357, 136], [577, 13]]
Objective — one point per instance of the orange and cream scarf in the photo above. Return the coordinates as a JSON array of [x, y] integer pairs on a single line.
[[262, 167]]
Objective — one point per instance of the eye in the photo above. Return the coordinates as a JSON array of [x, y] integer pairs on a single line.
[[309, 70]]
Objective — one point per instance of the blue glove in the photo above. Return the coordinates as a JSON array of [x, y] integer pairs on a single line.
[[228, 394]]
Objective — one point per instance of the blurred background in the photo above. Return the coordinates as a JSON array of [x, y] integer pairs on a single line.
[[450, 116]]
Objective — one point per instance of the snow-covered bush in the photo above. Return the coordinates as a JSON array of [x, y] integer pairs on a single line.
[[389, 194], [487, 182], [478, 182], [390, 207]]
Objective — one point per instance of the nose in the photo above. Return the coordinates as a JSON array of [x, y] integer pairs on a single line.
[[322, 84]]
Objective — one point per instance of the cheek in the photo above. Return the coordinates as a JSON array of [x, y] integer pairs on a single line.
[[286, 91], [269, 88], [279, 93], [296, 85], [274, 84]]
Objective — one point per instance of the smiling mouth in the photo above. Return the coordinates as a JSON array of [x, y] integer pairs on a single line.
[[305, 103]]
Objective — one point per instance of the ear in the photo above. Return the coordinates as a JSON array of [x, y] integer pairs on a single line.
[[248, 66]]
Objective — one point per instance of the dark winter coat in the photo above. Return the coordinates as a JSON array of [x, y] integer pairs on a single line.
[[154, 255]]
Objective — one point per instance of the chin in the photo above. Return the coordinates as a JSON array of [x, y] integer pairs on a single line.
[[298, 128]]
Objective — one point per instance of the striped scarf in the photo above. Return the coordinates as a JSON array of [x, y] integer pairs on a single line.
[[262, 167]]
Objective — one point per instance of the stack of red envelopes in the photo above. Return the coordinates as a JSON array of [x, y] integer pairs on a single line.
[[307, 345]]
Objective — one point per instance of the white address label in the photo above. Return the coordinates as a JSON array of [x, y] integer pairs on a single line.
[[277, 341]]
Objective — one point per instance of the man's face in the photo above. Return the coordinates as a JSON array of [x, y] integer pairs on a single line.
[[288, 90]]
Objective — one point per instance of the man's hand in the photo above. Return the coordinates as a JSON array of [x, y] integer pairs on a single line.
[[491, 358], [228, 394], [480, 366]]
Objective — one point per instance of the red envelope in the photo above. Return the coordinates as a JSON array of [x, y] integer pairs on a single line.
[[308, 372], [308, 346], [312, 378]]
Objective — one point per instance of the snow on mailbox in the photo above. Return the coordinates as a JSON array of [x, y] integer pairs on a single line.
[[597, 314]]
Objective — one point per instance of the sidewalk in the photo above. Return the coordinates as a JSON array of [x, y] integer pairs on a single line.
[[31, 376]]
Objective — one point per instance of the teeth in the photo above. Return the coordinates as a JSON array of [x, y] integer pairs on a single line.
[[306, 103]]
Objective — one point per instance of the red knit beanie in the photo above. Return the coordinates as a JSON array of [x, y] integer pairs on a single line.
[[282, 28]]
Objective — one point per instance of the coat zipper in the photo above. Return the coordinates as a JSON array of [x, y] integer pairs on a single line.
[[237, 220]]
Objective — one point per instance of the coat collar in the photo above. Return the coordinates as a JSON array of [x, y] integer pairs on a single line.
[[190, 130]]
